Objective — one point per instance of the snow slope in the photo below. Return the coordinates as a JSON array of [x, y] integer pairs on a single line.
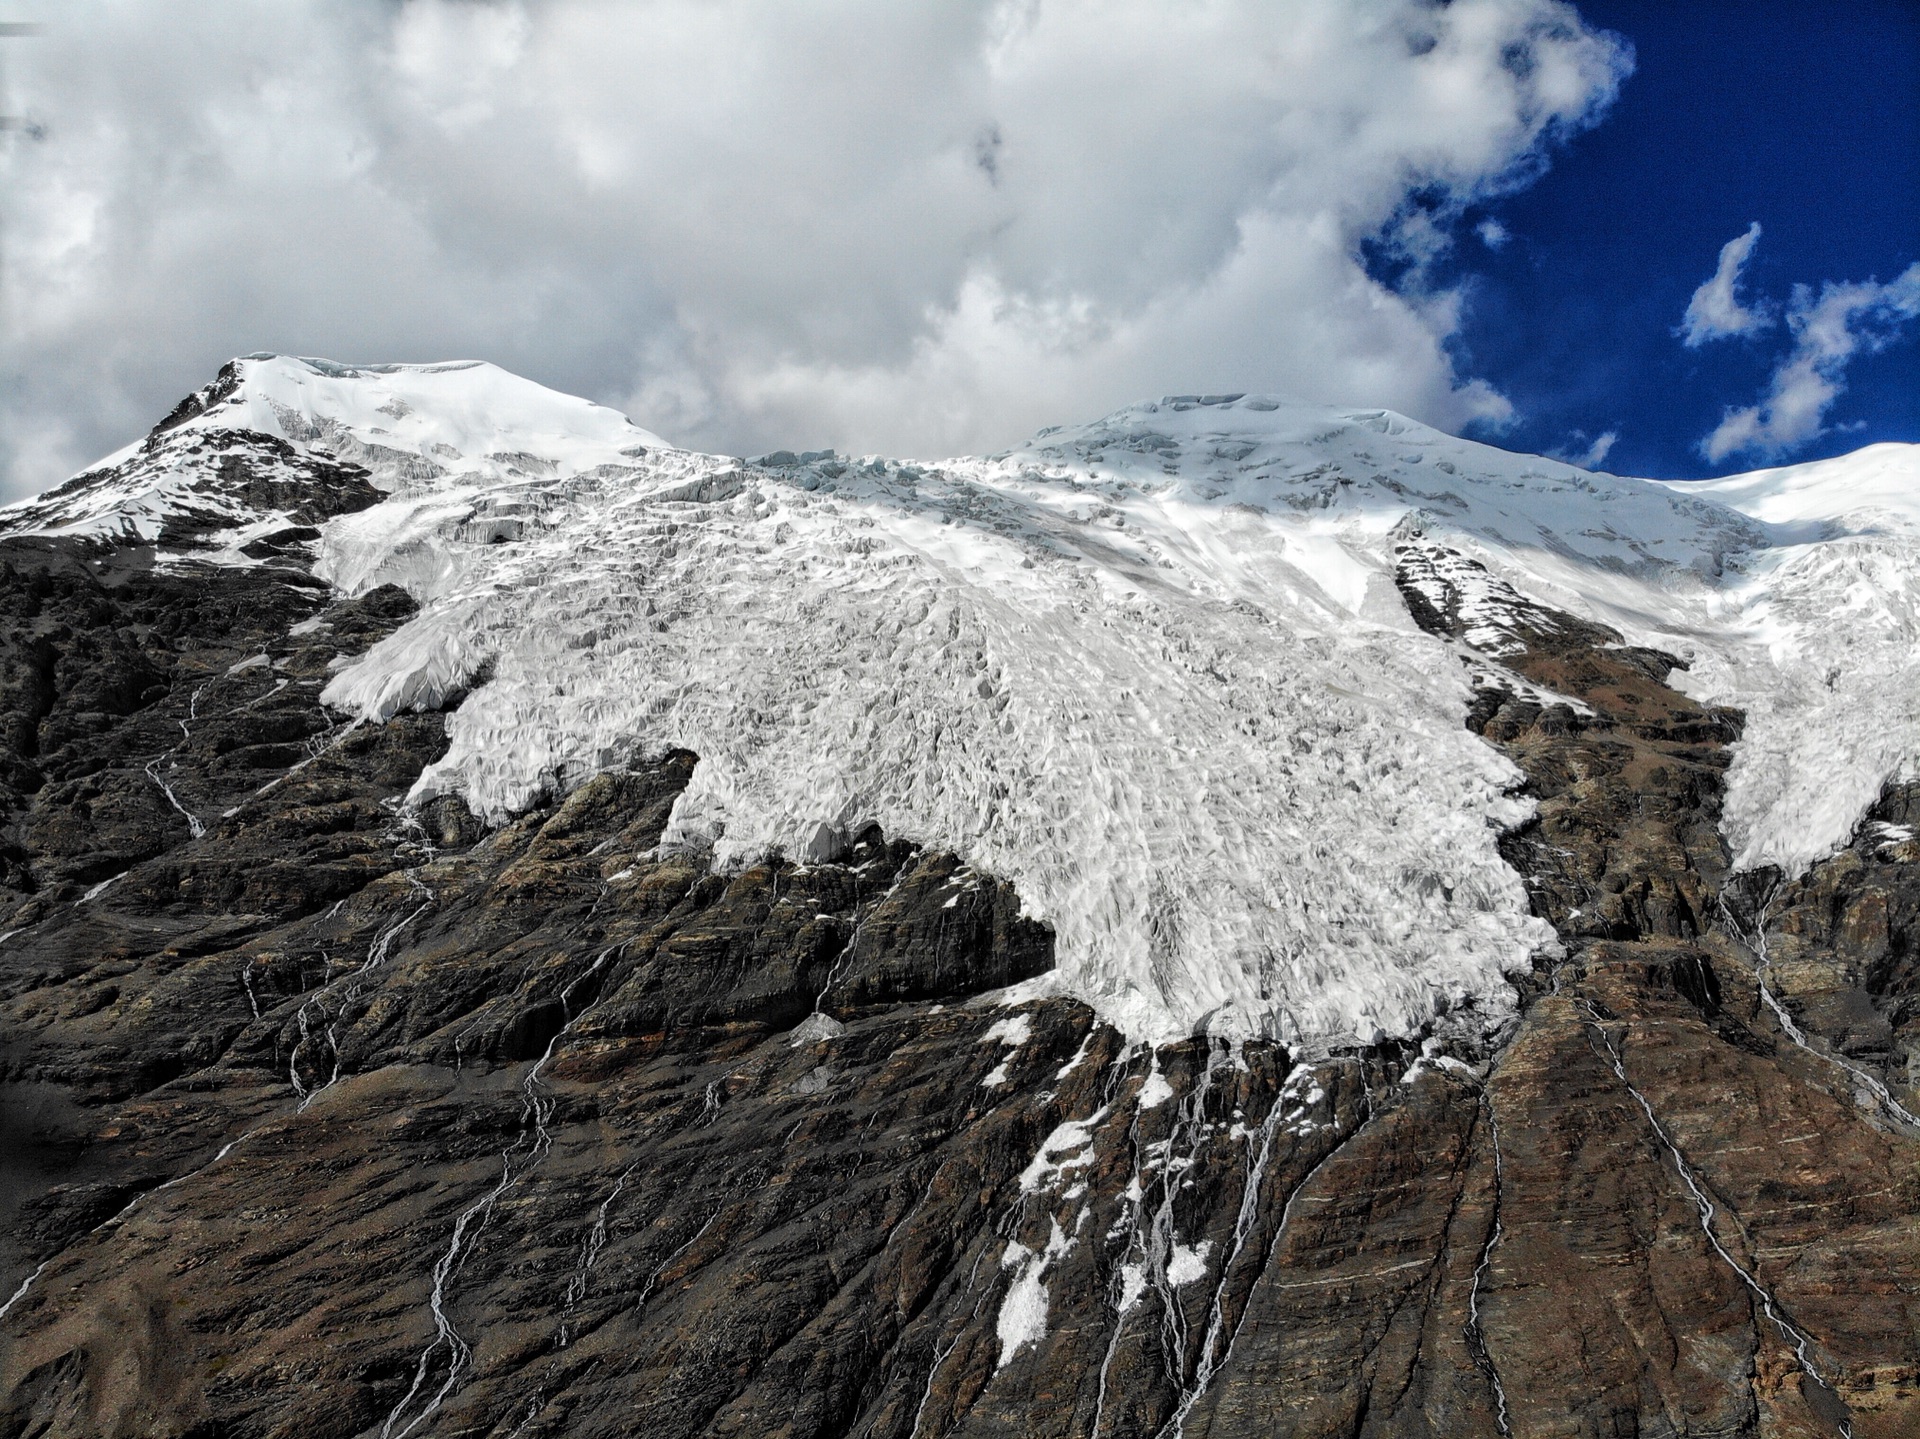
[[1817, 637], [460, 423], [1152, 669]]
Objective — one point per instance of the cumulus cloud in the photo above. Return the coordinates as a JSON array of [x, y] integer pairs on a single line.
[[1715, 311], [918, 228], [1492, 233], [1829, 330]]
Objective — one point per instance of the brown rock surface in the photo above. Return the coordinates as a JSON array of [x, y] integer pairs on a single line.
[[332, 1119]]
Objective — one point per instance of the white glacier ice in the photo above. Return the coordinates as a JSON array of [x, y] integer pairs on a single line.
[[1817, 638], [1153, 670]]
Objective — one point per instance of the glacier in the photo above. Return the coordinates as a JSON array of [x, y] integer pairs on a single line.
[[1153, 669]]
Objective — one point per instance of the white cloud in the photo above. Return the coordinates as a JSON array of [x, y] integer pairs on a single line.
[[1492, 233], [1589, 454], [1715, 310], [1844, 321], [1595, 455], [877, 226]]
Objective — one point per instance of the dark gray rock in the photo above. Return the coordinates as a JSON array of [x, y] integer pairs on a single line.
[[328, 1117]]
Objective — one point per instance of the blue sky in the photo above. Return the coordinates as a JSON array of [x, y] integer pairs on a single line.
[[1802, 116]]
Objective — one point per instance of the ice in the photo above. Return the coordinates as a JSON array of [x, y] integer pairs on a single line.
[[1188, 1263], [1153, 670], [1294, 834], [1023, 1312], [1817, 637], [1069, 1146], [1016, 1030], [815, 1028]]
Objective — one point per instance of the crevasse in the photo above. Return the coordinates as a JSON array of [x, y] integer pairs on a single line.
[[1153, 670]]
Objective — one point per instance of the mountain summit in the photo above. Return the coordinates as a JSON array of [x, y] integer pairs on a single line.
[[1155, 671], [1209, 913]]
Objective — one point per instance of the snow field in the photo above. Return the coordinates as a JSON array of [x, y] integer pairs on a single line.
[[1152, 670]]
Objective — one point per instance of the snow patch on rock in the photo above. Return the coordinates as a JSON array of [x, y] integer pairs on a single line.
[[1068, 1147], [1023, 1312], [1187, 1263]]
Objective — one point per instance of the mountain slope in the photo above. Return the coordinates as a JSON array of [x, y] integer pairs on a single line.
[[988, 655], [529, 950]]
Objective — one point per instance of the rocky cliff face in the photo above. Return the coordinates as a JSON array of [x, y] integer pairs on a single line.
[[331, 1117]]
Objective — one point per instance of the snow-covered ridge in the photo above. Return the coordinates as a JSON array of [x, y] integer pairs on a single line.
[[1153, 669], [1872, 490], [461, 419], [459, 423]]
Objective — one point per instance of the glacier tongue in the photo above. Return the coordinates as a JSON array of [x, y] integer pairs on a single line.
[[1251, 814], [1154, 670]]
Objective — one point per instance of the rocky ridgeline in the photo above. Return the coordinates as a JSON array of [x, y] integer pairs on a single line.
[[327, 1117]]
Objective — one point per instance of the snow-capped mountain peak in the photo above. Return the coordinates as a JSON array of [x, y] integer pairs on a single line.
[[403, 428], [1154, 670]]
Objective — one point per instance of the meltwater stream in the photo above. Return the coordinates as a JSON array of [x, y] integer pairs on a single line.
[[1797, 1338]]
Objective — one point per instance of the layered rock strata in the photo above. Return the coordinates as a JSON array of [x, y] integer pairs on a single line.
[[335, 1118]]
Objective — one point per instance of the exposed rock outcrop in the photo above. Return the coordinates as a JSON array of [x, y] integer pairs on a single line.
[[335, 1118]]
